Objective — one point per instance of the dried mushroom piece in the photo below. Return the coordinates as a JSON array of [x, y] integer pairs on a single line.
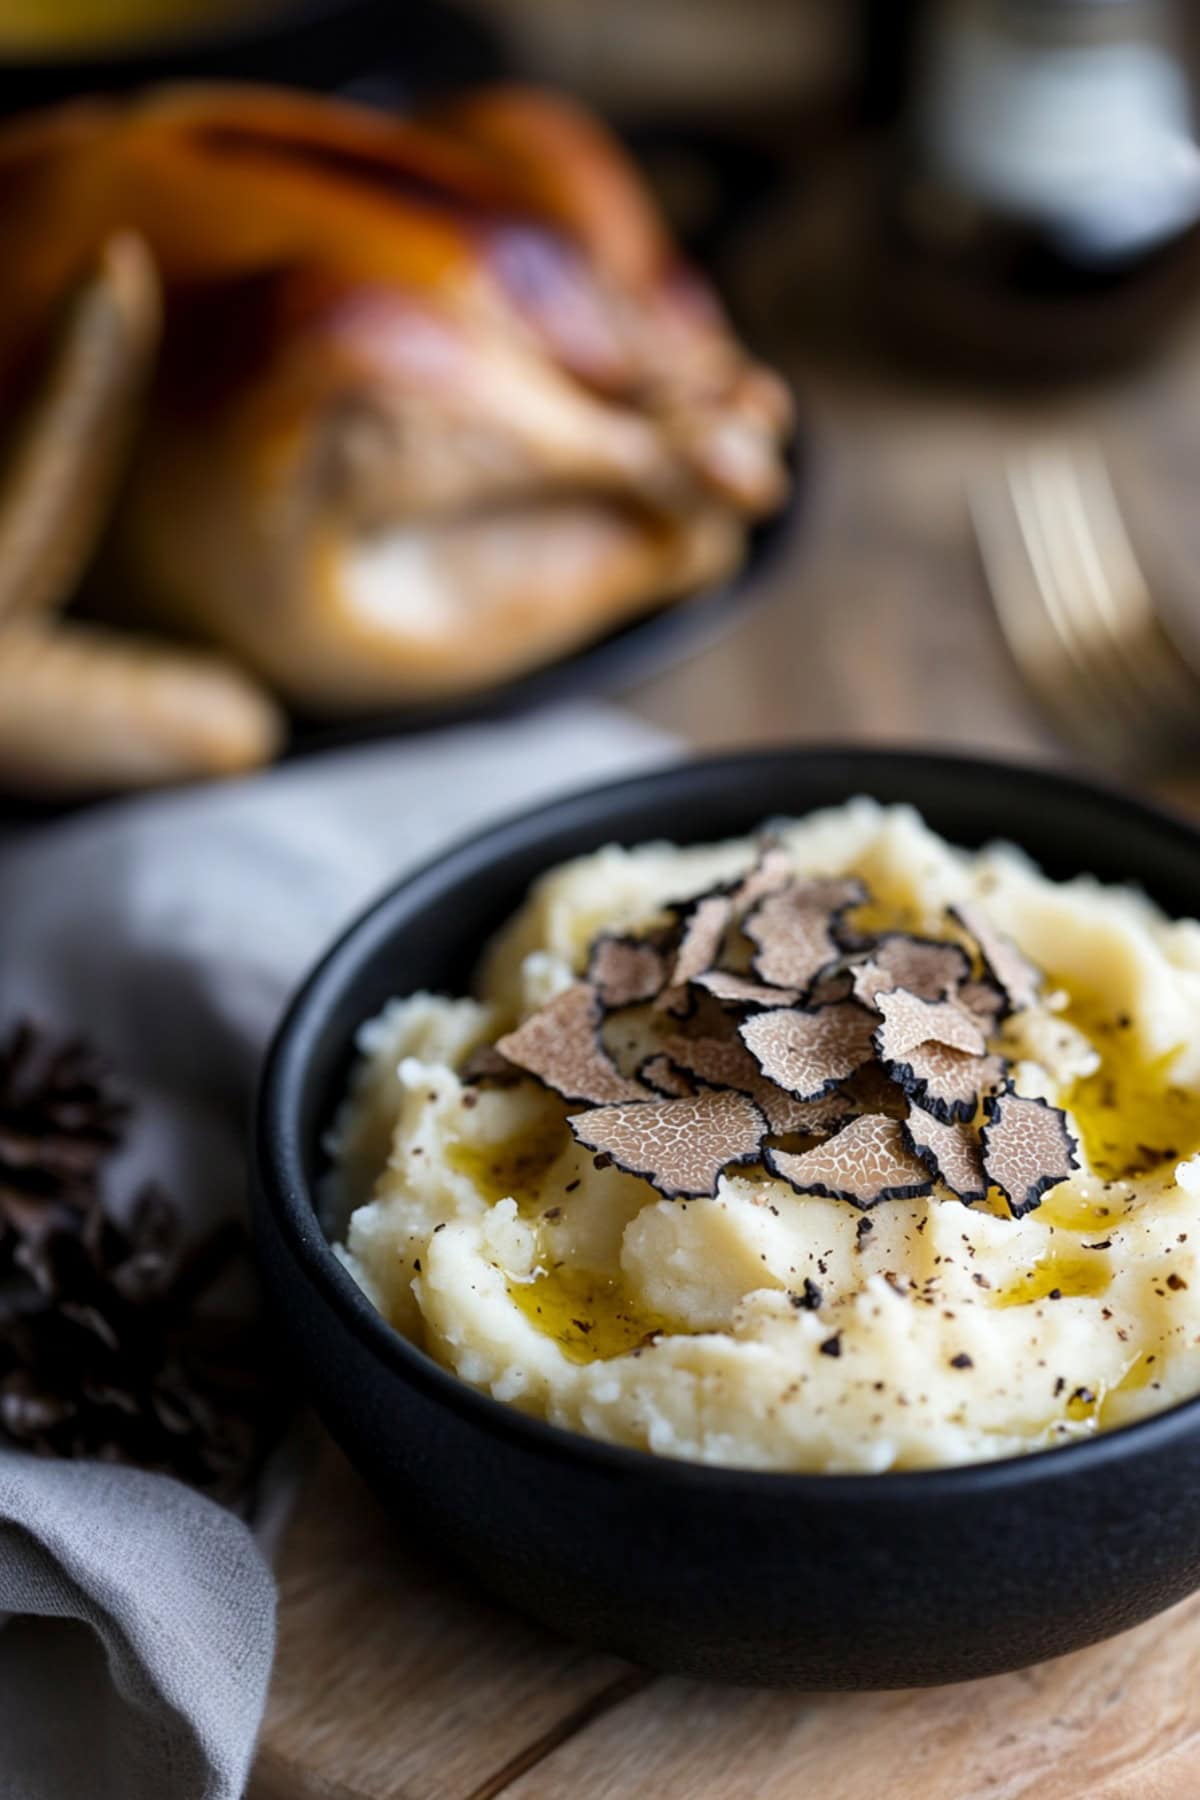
[[560, 1044], [985, 1003], [831, 984], [108, 1348], [485, 1063], [1027, 1149], [738, 990], [704, 926], [948, 1083], [772, 871], [625, 971], [923, 966], [660, 1073], [872, 1090], [809, 1052], [1019, 979], [726, 1062], [793, 930], [680, 1146], [910, 1022], [950, 1151], [864, 1163]]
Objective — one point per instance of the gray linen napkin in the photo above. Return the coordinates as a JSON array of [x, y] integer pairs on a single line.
[[140, 1616]]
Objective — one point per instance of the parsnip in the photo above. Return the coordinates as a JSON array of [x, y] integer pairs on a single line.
[[71, 445], [86, 711]]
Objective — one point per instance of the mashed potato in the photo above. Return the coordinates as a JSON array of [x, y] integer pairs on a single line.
[[773, 1329]]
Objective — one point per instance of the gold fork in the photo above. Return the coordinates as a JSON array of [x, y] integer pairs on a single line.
[[1075, 608]]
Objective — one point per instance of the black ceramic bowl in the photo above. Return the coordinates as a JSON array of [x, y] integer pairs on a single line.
[[818, 1581]]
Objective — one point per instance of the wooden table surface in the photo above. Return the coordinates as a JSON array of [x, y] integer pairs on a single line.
[[396, 1683]]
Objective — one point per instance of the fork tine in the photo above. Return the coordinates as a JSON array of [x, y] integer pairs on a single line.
[[1123, 596], [1033, 482], [1027, 626], [1084, 595], [1072, 601]]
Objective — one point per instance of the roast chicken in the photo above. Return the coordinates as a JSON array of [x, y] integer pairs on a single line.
[[436, 399]]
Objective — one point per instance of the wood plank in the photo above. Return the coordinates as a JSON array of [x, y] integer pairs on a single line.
[[393, 1680], [1120, 1721]]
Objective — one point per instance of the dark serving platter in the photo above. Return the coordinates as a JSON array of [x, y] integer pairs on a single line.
[[891, 1580], [377, 52], [643, 647]]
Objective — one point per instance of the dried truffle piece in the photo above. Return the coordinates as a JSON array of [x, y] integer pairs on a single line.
[[867, 1161], [704, 928], [679, 1146], [793, 930], [772, 871], [909, 1022], [737, 990], [833, 983], [726, 1062], [951, 1152], [931, 970], [1027, 1149], [807, 1052], [948, 1083], [872, 1090], [560, 1044], [625, 970], [485, 1063], [1019, 980], [661, 1074], [985, 1003]]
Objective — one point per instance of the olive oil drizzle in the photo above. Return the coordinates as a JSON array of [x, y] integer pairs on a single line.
[[590, 1317], [1133, 1120], [513, 1168]]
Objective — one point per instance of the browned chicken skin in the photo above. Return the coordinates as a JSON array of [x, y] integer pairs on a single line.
[[437, 398]]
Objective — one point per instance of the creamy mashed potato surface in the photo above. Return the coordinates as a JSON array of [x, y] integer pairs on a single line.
[[773, 1329]]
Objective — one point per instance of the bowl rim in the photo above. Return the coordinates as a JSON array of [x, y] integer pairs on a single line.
[[279, 1183]]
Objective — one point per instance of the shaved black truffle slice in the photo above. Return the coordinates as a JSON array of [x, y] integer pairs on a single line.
[[931, 970], [909, 1022], [772, 871], [793, 930], [808, 1052], [1019, 979], [485, 1063], [625, 970], [985, 1003], [560, 1044], [1027, 1149], [871, 1089], [737, 990], [704, 928], [864, 1163], [832, 983], [661, 1074], [947, 1083], [949, 1151], [680, 1146], [726, 1062]]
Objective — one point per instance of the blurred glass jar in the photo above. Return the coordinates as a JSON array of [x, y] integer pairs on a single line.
[[1046, 200]]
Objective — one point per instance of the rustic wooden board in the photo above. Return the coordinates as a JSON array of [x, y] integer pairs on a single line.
[[394, 1682]]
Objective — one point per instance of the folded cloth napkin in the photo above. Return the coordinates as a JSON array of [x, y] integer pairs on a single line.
[[140, 1616]]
